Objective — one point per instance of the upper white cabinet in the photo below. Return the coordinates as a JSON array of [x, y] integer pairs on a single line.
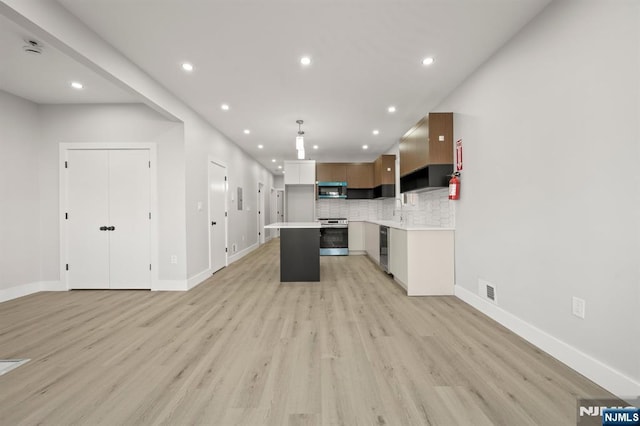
[[302, 172]]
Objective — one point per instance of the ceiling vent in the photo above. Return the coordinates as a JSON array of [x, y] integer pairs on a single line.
[[33, 47]]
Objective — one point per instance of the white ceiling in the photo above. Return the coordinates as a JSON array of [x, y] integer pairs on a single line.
[[366, 56], [46, 78]]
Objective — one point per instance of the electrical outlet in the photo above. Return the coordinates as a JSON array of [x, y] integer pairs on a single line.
[[578, 307], [174, 259]]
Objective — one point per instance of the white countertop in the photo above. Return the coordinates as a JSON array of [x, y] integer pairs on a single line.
[[292, 225], [406, 227]]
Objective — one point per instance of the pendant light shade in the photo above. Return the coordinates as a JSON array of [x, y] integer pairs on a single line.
[[300, 140]]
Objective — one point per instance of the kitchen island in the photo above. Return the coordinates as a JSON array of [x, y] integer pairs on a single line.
[[299, 250]]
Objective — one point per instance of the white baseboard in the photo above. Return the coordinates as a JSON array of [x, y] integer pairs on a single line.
[[169, 285], [198, 278], [242, 253], [21, 290], [53, 286], [11, 293], [600, 373]]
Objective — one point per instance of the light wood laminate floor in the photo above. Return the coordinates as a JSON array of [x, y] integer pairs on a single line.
[[242, 348]]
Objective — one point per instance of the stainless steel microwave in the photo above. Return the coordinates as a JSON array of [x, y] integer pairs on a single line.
[[332, 189]]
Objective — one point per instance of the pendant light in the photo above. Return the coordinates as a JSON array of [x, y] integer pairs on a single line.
[[300, 140]]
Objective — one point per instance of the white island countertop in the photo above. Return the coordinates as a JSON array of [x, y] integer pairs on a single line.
[[292, 225], [405, 227]]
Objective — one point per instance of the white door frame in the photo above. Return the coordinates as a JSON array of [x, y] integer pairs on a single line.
[[273, 209], [64, 147], [260, 213], [279, 214], [210, 161]]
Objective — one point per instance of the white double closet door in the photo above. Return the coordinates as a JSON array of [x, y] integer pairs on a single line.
[[108, 219]]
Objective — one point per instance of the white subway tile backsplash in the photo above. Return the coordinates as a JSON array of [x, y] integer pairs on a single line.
[[424, 208]]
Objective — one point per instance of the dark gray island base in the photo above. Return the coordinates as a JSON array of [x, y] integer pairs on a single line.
[[299, 254], [299, 250]]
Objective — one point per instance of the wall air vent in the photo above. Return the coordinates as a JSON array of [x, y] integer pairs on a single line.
[[491, 293], [487, 291], [32, 47]]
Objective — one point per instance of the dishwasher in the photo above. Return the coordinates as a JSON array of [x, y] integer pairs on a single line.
[[384, 248]]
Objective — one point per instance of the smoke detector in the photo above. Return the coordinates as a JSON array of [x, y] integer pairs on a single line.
[[33, 47]]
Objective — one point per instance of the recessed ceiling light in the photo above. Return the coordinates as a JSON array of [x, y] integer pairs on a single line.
[[273, 160], [376, 132], [247, 131], [260, 146], [365, 146], [305, 60], [279, 167], [391, 109], [224, 107], [77, 85], [187, 66], [315, 147], [428, 61]]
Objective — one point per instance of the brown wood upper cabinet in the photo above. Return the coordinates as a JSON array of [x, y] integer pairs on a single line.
[[429, 142], [331, 172], [360, 175], [384, 170]]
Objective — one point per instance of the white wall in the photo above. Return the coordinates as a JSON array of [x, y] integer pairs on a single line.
[[550, 196], [19, 196], [55, 26], [124, 123], [203, 142]]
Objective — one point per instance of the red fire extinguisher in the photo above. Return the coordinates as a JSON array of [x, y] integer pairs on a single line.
[[454, 186]]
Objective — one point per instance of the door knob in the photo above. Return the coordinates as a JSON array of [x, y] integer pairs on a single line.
[[103, 228], [213, 223], [111, 228]]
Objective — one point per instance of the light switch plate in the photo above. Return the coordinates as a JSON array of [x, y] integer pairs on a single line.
[[441, 138], [578, 307]]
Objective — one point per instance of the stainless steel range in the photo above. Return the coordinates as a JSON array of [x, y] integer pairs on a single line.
[[334, 236]]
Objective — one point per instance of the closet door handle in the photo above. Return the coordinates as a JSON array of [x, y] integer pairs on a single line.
[[103, 228], [111, 228]]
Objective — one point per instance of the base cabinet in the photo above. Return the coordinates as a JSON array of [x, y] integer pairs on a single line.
[[398, 254], [356, 238], [372, 241], [423, 261]]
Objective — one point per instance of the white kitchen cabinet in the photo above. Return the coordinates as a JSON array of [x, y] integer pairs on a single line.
[[422, 261], [356, 238], [372, 241], [398, 254], [302, 172]]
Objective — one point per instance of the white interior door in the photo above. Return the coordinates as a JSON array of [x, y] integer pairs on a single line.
[[129, 214], [108, 225], [217, 216], [279, 208], [87, 211], [261, 214]]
